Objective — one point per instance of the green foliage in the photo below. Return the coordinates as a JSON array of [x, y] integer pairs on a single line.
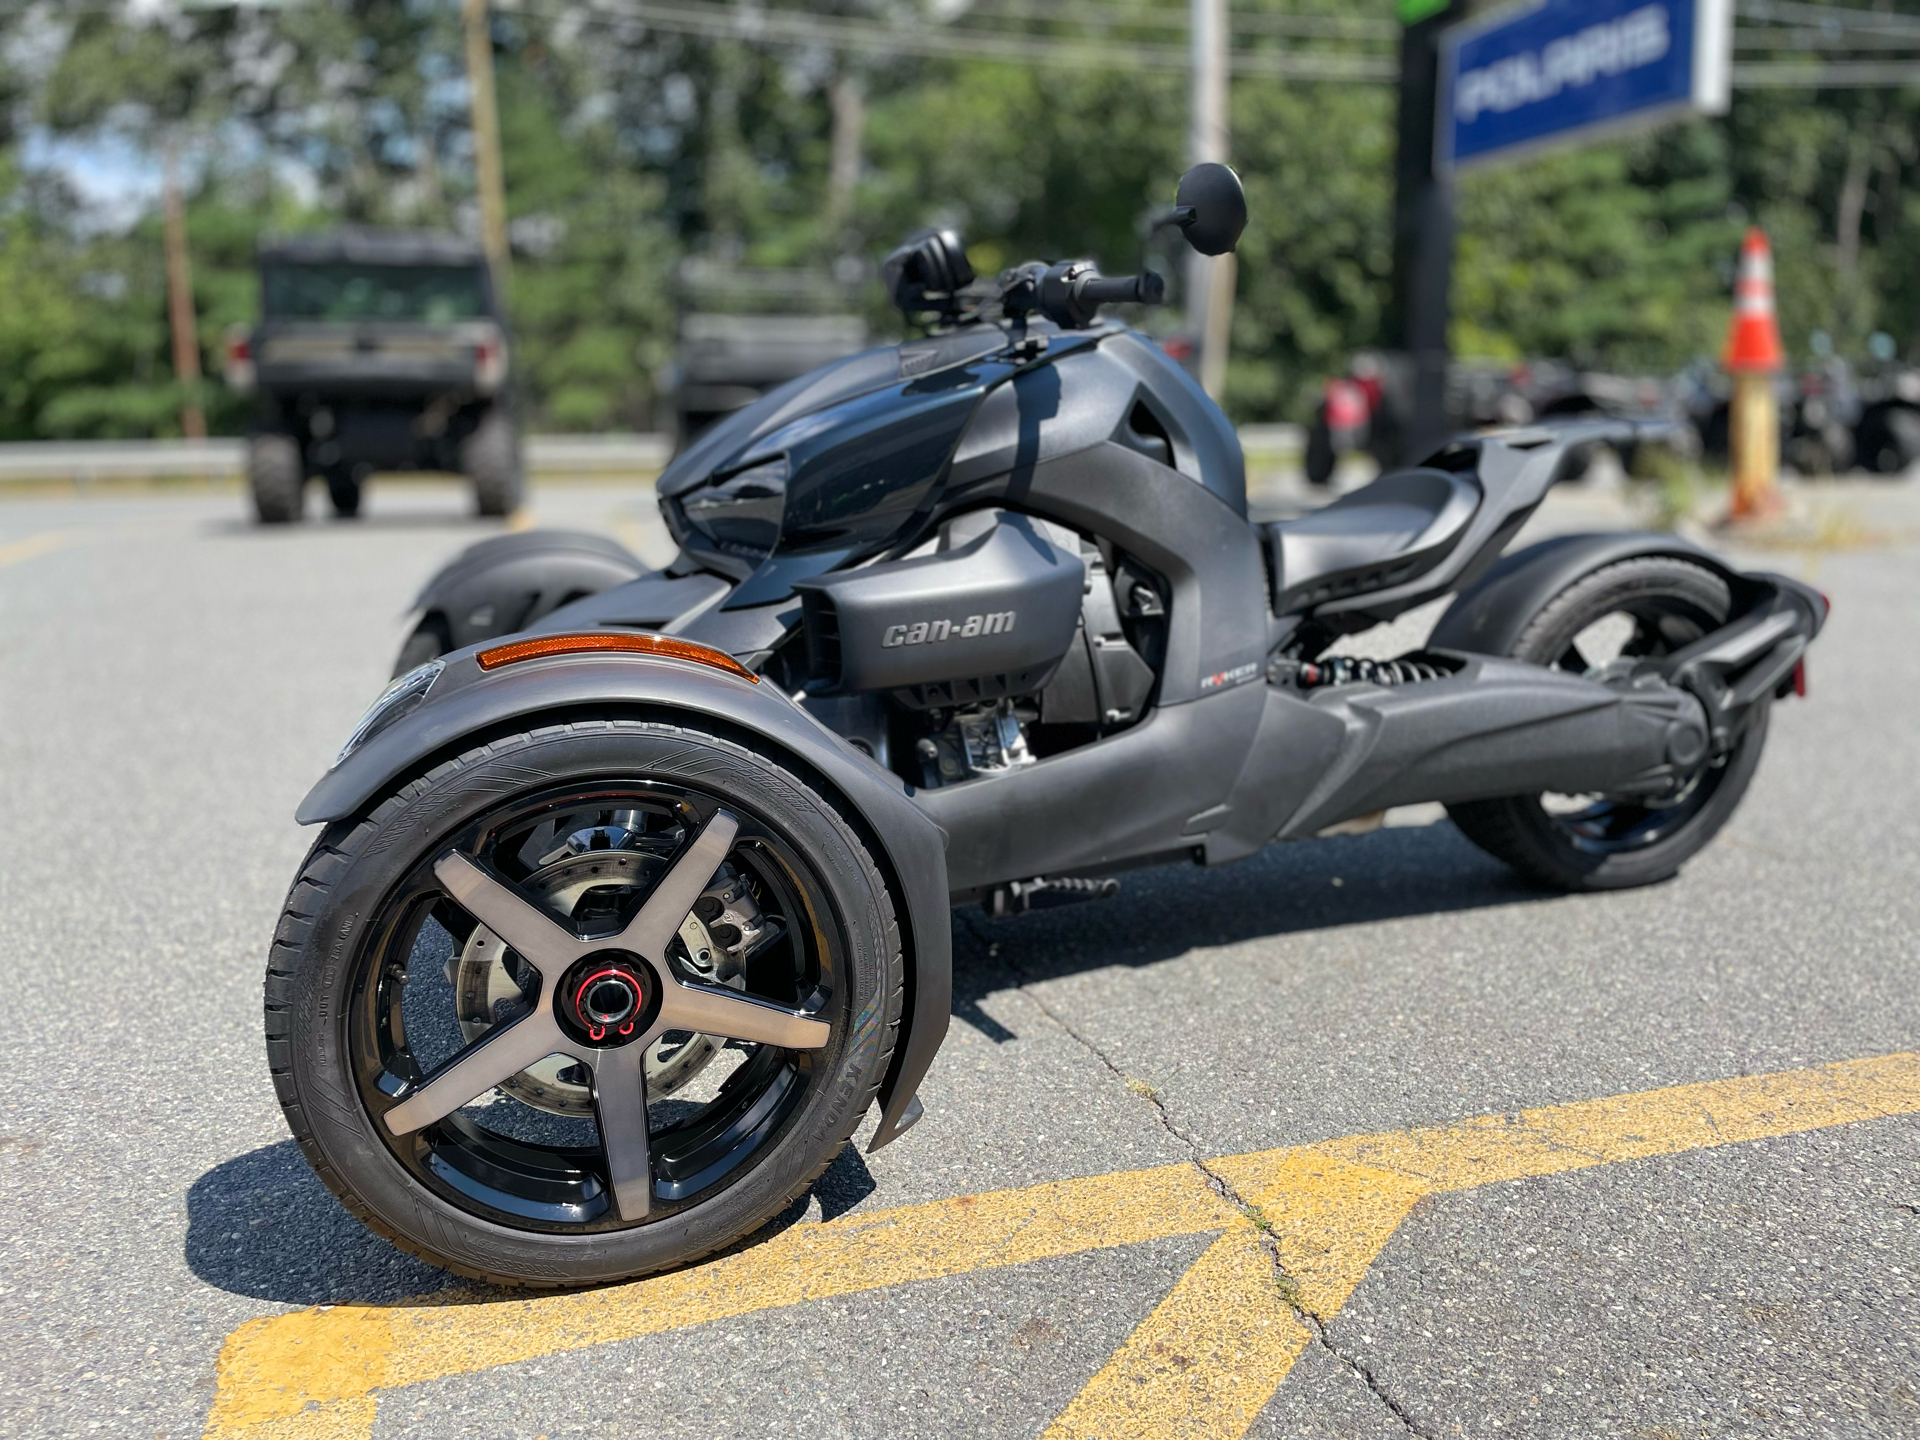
[[628, 150]]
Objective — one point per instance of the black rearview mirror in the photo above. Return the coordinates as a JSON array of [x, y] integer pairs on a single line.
[[1210, 207]]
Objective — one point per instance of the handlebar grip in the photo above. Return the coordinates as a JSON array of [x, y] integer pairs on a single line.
[[1147, 289]]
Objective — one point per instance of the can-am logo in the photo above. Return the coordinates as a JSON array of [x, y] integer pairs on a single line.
[[928, 632]]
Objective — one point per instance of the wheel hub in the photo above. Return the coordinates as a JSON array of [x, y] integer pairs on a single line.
[[606, 998], [595, 872]]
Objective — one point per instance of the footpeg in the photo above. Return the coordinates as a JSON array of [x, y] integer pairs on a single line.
[[1046, 893]]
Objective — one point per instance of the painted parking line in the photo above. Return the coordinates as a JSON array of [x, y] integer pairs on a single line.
[[34, 546], [1305, 1224]]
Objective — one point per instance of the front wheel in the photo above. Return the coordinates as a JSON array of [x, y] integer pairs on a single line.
[[1645, 607], [584, 1003]]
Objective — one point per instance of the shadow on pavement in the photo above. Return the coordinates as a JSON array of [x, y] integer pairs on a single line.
[[263, 1225], [1163, 913]]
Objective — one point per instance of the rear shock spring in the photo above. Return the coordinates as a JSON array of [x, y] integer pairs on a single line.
[[1351, 670]]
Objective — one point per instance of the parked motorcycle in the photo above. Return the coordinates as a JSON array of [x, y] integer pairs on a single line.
[[630, 904]]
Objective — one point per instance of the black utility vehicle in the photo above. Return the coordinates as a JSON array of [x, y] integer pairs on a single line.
[[376, 350], [619, 923]]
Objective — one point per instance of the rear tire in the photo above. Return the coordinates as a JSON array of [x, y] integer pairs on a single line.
[[277, 476], [1320, 459], [344, 1032], [1614, 845], [343, 489], [1889, 440], [490, 457]]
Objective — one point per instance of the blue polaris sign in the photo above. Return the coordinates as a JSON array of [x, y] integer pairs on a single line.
[[1558, 71]]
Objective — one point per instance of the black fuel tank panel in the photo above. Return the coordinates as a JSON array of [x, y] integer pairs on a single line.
[[991, 617]]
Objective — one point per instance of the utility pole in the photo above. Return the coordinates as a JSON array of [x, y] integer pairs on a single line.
[[847, 95], [486, 139], [1423, 230], [1210, 279], [180, 317]]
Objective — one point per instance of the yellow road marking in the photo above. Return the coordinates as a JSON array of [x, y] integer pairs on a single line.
[[1203, 1363], [277, 1366], [33, 546]]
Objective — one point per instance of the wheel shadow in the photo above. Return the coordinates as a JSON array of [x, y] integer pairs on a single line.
[[1164, 913], [262, 1225]]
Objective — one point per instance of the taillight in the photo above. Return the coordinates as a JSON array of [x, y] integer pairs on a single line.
[[489, 361], [1346, 405], [239, 366]]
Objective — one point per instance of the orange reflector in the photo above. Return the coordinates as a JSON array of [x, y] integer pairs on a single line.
[[630, 642]]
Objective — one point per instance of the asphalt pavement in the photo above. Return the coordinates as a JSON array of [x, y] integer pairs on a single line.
[[172, 678]]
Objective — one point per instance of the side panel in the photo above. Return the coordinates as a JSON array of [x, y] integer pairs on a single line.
[[1211, 557], [911, 849], [1143, 792], [650, 603]]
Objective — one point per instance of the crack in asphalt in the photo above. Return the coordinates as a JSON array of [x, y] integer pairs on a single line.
[[1284, 1282]]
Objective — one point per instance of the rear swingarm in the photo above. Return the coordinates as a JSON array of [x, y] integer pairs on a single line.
[[1449, 726], [1753, 657]]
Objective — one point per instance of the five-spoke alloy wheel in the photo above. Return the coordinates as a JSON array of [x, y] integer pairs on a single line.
[[584, 1002]]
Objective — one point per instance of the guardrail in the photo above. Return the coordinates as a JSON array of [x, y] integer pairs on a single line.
[[550, 457], [84, 462]]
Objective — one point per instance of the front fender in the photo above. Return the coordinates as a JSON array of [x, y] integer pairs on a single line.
[[508, 582], [466, 704]]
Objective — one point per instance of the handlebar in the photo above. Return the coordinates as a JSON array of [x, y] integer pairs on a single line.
[[1147, 289], [1070, 294]]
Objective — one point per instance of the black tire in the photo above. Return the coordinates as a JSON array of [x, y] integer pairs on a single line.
[[1613, 845], [430, 639], [490, 458], [322, 983], [343, 490], [277, 476], [1320, 459], [1888, 440]]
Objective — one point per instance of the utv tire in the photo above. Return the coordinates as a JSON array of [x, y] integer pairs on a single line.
[[1320, 459], [276, 474], [334, 957], [343, 490], [490, 457], [1671, 602]]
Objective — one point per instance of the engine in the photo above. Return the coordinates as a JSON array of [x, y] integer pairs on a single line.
[[1005, 639]]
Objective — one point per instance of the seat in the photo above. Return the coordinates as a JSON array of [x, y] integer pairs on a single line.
[[1379, 536]]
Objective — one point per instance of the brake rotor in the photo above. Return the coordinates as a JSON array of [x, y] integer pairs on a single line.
[[487, 992]]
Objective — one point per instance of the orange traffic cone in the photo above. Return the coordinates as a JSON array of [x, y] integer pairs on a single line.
[[1752, 356]]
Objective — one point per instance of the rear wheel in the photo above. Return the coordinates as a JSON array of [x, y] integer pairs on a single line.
[[490, 457], [583, 1003], [1889, 439], [1645, 607], [1320, 459], [277, 476], [343, 489]]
